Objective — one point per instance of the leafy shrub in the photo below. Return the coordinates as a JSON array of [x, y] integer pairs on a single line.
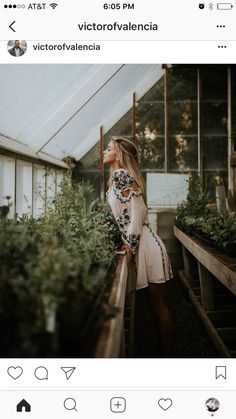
[[46, 265], [196, 204], [195, 215]]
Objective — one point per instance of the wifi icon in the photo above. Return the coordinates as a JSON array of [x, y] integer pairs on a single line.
[[53, 5]]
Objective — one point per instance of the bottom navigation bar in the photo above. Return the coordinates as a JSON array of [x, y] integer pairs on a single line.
[[130, 404]]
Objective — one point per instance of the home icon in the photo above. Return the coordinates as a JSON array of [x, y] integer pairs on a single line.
[[23, 406]]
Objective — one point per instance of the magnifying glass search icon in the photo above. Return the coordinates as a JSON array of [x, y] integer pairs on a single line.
[[70, 404]]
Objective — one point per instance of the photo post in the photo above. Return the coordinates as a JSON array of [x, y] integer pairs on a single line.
[[118, 207]]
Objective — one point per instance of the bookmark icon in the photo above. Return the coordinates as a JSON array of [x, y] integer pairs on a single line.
[[68, 371]]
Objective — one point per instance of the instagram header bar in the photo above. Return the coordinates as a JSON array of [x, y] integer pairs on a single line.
[[100, 31], [107, 20]]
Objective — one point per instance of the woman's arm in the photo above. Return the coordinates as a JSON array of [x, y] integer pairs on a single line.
[[137, 216], [127, 191]]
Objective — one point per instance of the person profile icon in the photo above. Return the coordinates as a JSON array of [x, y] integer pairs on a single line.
[[17, 48], [212, 404]]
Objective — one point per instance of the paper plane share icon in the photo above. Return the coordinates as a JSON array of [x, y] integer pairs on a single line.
[[68, 371]]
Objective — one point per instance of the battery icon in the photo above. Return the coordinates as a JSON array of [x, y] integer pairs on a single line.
[[224, 6]]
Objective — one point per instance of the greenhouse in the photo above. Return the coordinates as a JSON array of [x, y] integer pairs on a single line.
[[78, 278]]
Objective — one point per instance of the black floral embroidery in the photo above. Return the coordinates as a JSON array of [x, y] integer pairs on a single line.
[[159, 244], [132, 240], [170, 269], [122, 180], [123, 220]]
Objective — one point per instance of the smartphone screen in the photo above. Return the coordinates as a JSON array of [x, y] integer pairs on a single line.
[[117, 209]]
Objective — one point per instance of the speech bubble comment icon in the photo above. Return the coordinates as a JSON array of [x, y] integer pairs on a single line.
[[70, 404], [41, 373]]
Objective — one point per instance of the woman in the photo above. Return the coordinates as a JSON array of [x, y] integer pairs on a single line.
[[127, 199]]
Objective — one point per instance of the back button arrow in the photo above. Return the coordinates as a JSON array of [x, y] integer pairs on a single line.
[[10, 26]]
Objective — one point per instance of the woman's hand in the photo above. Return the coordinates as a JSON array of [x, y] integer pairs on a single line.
[[128, 252]]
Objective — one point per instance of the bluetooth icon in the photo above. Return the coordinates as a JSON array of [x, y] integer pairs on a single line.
[[211, 6]]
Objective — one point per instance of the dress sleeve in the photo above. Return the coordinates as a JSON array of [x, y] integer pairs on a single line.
[[130, 194]]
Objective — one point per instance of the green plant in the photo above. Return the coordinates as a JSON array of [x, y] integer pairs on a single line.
[[196, 203], [222, 229], [197, 217], [55, 263]]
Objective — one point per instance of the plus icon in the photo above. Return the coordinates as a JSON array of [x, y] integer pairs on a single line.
[[118, 404]]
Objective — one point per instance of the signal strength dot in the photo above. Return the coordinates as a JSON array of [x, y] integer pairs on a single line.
[[53, 5]]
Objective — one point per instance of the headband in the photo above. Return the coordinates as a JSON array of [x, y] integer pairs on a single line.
[[119, 139]]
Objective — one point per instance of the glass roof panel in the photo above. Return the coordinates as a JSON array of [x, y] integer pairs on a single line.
[[57, 110]]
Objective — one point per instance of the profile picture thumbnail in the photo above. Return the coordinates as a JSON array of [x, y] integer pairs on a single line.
[[212, 404], [17, 48]]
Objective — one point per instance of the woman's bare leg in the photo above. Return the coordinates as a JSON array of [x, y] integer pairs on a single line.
[[160, 309]]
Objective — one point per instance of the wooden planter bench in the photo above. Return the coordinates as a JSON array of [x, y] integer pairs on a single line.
[[213, 269], [117, 335]]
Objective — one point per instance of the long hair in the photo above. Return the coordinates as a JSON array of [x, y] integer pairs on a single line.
[[127, 154]]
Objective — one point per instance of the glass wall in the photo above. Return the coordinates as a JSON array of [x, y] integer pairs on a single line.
[[24, 178], [150, 131], [27, 187], [214, 124], [39, 190], [182, 118], [7, 183], [181, 124]]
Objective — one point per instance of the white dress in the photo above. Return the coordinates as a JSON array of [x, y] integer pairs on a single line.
[[151, 258]]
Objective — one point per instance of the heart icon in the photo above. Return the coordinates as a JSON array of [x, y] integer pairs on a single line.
[[165, 403], [15, 372]]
